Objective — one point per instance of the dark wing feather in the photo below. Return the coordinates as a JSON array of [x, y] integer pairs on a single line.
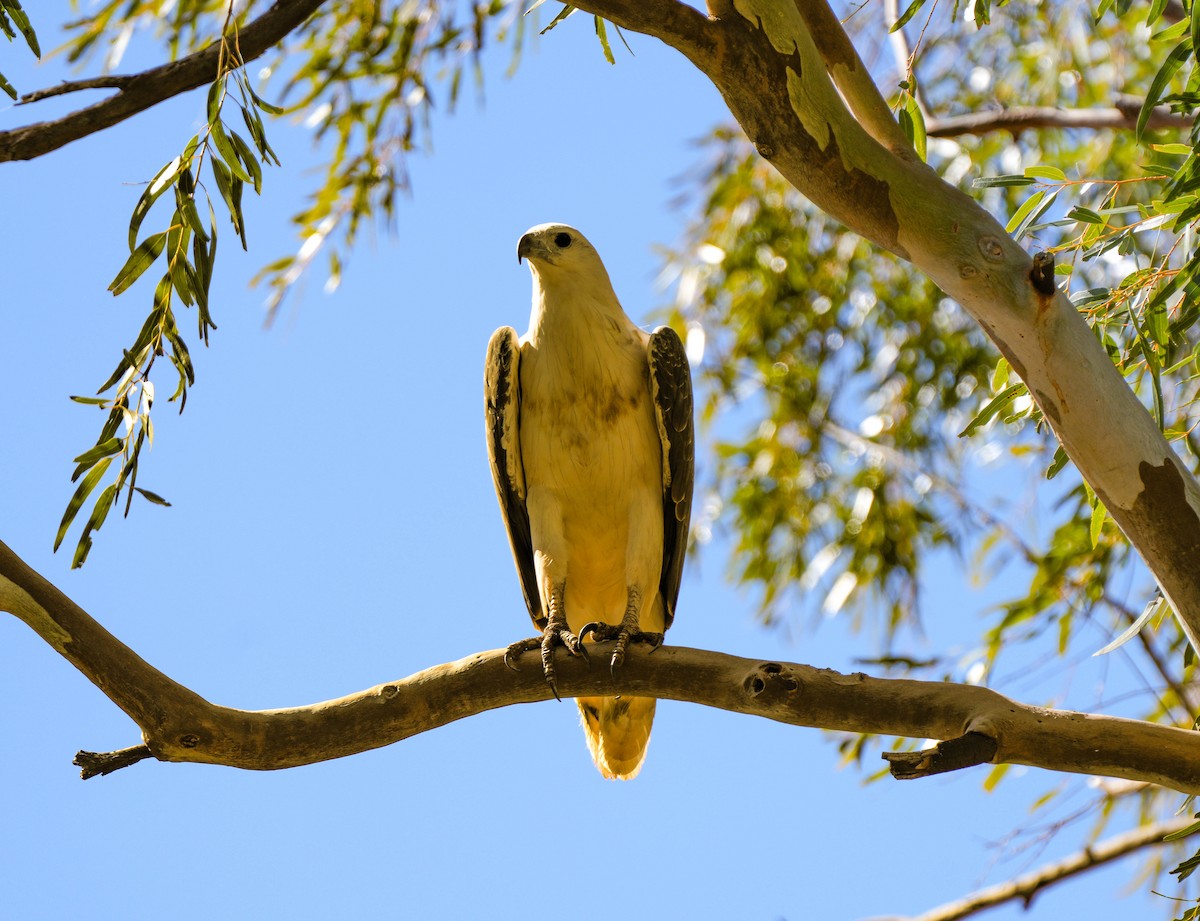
[[502, 390], [671, 386]]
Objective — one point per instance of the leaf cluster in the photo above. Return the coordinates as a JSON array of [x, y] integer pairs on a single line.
[[186, 251], [852, 366]]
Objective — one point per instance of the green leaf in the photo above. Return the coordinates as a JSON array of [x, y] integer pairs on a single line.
[[1085, 215], [159, 184], [246, 155], [1181, 150], [104, 449], [602, 34], [8, 88], [99, 513], [992, 182], [1184, 832], [566, 11], [264, 105], [137, 263], [1194, 27], [90, 401], [907, 15], [1025, 210], [227, 151], [1045, 172], [13, 8], [153, 497], [1174, 61], [230, 188], [1099, 513], [80, 496], [995, 405], [912, 123], [1057, 464]]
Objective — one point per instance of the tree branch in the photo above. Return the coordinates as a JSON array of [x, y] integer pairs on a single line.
[[851, 77], [141, 91], [1030, 118], [1027, 887], [179, 725]]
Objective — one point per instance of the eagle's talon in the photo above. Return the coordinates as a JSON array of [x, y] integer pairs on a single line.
[[514, 651]]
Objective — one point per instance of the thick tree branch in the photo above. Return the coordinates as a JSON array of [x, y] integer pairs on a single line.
[[139, 92], [764, 58], [179, 725], [1030, 118], [1027, 886]]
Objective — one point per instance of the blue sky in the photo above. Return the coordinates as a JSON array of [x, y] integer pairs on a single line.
[[333, 526]]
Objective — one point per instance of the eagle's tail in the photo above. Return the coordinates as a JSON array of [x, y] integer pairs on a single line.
[[617, 730]]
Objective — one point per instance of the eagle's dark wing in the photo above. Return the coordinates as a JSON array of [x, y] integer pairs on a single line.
[[671, 387], [502, 390]]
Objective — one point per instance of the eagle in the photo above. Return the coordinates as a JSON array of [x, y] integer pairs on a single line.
[[591, 440]]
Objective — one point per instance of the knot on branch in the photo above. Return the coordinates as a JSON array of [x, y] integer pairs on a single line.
[[771, 677], [952, 755]]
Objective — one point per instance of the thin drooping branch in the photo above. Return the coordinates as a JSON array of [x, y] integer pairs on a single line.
[[179, 725], [1030, 118], [141, 91], [1026, 887]]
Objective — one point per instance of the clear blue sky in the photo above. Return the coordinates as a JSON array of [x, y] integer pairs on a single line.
[[334, 526]]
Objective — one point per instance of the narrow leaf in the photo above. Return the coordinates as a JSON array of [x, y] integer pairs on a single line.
[[995, 405], [602, 34], [1045, 172], [104, 449], [159, 184], [13, 8], [1133, 629], [153, 497], [80, 496], [99, 513], [562, 14], [907, 15], [1099, 513], [1174, 61], [137, 263], [1027, 208]]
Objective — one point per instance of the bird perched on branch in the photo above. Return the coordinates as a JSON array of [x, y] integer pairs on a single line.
[[591, 441]]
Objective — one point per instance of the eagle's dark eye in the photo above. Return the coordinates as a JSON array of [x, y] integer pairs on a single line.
[[562, 240]]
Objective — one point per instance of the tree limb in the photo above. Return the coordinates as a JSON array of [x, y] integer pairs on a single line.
[[1027, 886], [179, 725], [141, 91], [1030, 118]]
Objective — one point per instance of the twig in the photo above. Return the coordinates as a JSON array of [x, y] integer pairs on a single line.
[[1026, 887], [97, 764], [109, 81], [1028, 118]]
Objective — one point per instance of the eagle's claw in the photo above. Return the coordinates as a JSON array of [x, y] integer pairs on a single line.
[[624, 635], [554, 635]]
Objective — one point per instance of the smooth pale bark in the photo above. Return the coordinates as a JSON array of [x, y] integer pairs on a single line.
[[794, 82], [179, 725]]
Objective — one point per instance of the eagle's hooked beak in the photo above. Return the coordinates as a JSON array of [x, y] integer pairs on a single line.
[[530, 246]]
